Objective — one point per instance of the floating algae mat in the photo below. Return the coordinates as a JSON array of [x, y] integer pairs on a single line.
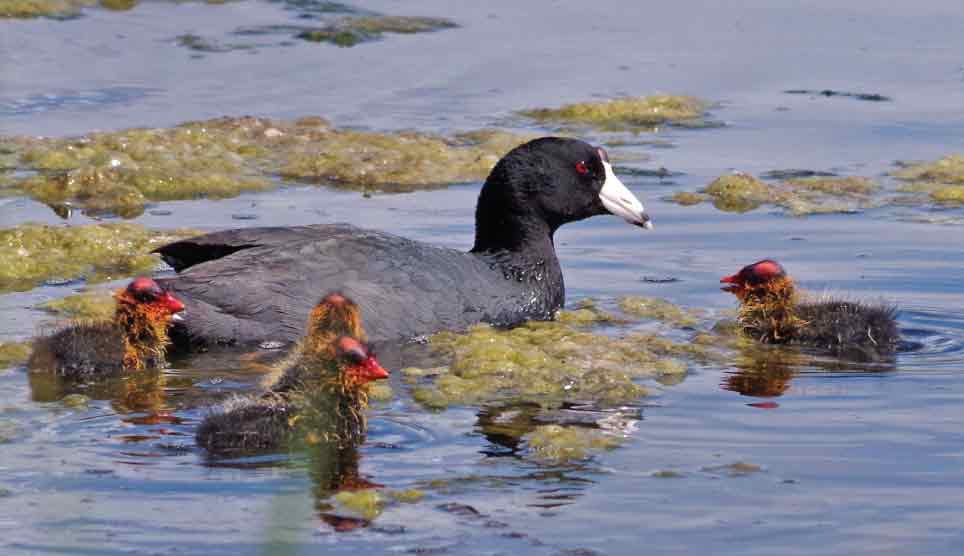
[[66, 9], [24, 9], [563, 444], [96, 306], [551, 364], [628, 113], [118, 172], [32, 253], [942, 180], [740, 192], [352, 30]]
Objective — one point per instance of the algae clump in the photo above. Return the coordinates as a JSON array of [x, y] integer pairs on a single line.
[[687, 198], [13, 353], [403, 161], [352, 30], [738, 192], [33, 253], [409, 496], [942, 179], [118, 172], [366, 503], [741, 192], [97, 306], [657, 309], [562, 444], [952, 194], [948, 170], [24, 9], [633, 113]]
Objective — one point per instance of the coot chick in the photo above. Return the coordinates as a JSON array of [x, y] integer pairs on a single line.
[[771, 311], [256, 284], [135, 339], [322, 392]]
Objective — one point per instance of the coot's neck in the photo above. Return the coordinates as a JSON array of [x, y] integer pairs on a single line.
[[523, 250]]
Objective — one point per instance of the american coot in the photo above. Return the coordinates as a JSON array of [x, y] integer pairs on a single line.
[[322, 392], [771, 312], [135, 339], [258, 284]]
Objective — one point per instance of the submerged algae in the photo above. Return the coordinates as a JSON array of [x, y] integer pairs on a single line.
[[562, 444], [629, 113], [120, 171], [368, 503], [352, 30], [32, 253], [13, 353]]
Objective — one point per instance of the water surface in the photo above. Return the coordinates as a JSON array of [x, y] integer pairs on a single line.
[[848, 458]]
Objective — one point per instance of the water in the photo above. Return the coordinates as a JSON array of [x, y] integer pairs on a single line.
[[851, 459]]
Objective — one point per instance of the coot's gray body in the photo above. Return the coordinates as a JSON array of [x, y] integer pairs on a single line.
[[258, 284]]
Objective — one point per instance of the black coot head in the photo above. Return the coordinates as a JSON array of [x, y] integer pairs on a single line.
[[555, 181]]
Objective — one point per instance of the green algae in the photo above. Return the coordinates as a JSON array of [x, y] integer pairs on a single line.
[[942, 179], [657, 309], [586, 313], [65, 9], [688, 198], [842, 186], [118, 172], [666, 474], [550, 364], [33, 253], [367, 503], [559, 444], [952, 195], [403, 161], [27, 9], [353, 30], [75, 401], [380, 392], [13, 354], [736, 469], [740, 192], [408, 496], [118, 5], [627, 113], [948, 170], [98, 306], [198, 43]]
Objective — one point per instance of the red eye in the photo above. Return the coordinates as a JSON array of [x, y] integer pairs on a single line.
[[582, 168]]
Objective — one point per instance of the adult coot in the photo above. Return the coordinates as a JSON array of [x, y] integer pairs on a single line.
[[322, 391], [135, 339], [771, 311], [258, 284]]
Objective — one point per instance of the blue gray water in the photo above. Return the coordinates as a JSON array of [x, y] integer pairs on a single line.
[[851, 461]]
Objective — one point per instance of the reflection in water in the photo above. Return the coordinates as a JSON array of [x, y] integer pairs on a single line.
[[143, 391], [763, 371], [766, 371]]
